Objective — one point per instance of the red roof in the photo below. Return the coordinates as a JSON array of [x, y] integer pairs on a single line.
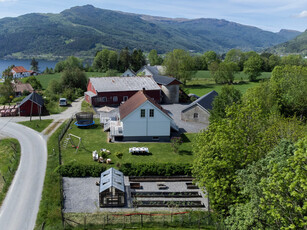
[[19, 69], [135, 101]]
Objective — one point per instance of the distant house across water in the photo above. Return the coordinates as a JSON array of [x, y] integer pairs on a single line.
[[20, 72]]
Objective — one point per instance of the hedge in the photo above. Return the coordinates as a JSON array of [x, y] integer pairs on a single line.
[[75, 169]]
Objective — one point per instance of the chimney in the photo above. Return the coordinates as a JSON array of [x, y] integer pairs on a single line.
[[143, 90]]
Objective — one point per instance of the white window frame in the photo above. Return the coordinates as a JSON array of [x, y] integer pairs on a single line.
[[115, 98]]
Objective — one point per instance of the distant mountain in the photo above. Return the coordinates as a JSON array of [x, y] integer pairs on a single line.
[[289, 34], [297, 45], [83, 30]]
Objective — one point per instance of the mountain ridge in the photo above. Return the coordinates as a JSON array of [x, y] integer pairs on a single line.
[[83, 30]]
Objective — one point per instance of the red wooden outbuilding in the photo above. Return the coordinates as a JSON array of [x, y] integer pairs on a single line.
[[31, 105]]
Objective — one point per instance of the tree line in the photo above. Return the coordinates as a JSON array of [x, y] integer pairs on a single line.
[[252, 159]]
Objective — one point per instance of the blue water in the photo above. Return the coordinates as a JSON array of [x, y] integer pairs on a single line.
[[42, 64]]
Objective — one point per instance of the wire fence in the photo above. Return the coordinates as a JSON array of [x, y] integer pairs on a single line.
[[62, 134], [200, 220]]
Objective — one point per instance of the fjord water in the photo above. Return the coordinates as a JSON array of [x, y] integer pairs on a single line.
[[42, 64]]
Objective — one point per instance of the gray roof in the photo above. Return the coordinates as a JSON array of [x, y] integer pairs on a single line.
[[204, 102], [36, 98], [112, 178], [115, 84], [90, 93], [160, 79]]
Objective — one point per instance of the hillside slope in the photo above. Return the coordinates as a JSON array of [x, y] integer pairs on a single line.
[[297, 45], [84, 30]]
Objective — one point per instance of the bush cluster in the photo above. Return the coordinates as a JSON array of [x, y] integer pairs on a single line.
[[154, 169], [74, 169]]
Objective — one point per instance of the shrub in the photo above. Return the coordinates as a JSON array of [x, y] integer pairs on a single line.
[[119, 155]]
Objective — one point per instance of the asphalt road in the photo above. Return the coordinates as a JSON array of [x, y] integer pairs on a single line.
[[21, 204]]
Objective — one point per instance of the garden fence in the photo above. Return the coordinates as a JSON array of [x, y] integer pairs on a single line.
[[62, 134], [200, 220]]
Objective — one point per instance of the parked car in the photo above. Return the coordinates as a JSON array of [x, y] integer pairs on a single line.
[[63, 102]]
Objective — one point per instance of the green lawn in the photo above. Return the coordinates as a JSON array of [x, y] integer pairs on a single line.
[[37, 125], [202, 83], [46, 78], [95, 139], [9, 161]]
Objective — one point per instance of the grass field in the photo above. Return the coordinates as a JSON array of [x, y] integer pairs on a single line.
[[9, 161], [202, 83], [95, 139], [37, 125], [46, 78]]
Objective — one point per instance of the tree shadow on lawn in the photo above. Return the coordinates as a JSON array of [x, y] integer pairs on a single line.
[[185, 152], [141, 154], [198, 86]]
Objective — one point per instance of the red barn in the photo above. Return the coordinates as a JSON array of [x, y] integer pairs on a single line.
[[32, 104], [114, 90]]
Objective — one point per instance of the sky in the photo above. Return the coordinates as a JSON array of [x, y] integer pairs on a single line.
[[271, 15]]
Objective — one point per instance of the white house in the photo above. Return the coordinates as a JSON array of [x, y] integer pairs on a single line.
[[20, 71], [142, 119]]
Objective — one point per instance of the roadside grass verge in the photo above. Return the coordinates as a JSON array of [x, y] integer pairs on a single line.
[[94, 138], [54, 108], [86, 107], [9, 161], [38, 125], [50, 204]]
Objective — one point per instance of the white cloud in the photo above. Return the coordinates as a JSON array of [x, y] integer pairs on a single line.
[[303, 14], [8, 0]]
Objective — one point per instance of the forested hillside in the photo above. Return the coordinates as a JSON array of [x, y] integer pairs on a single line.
[[84, 30]]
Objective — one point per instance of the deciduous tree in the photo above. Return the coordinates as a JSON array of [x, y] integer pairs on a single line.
[[253, 67]]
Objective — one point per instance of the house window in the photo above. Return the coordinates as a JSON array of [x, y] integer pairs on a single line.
[[115, 98], [142, 112], [151, 113], [195, 115], [104, 99], [155, 138], [125, 98]]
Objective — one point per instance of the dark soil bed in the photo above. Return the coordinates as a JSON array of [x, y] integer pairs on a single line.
[[166, 194], [161, 203]]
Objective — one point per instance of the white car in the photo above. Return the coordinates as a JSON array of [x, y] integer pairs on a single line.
[[63, 102]]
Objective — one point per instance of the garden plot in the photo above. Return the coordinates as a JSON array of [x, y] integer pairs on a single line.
[[81, 195]]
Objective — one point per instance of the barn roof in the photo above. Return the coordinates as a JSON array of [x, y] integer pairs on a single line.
[[204, 102], [112, 178], [160, 79], [136, 101], [19, 69], [36, 98], [115, 84]]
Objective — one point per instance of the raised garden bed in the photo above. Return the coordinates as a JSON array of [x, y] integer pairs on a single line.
[[191, 186], [166, 194], [167, 204]]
